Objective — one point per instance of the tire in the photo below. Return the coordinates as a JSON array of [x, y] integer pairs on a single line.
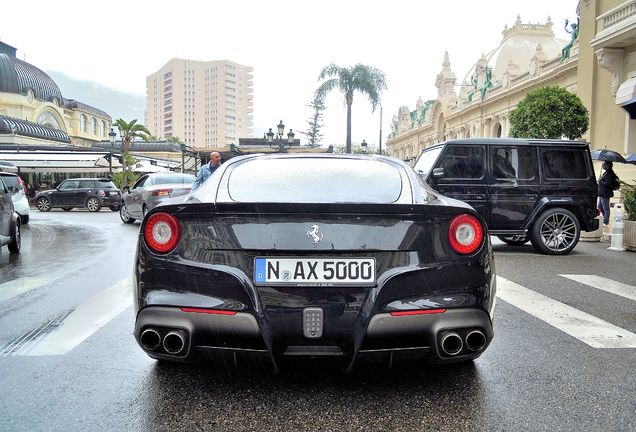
[[125, 217], [24, 219], [114, 208], [555, 232], [93, 204], [67, 208], [514, 240], [43, 204], [16, 239]]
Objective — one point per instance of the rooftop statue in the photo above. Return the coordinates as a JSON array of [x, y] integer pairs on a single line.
[[487, 83], [574, 35], [473, 81]]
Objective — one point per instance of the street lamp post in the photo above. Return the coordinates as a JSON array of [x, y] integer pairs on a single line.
[[183, 150], [279, 137], [111, 136]]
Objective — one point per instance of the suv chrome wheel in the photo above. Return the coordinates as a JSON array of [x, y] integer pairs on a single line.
[[93, 204], [43, 204], [555, 232]]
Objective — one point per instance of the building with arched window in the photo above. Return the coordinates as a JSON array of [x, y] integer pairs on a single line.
[[29, 95], [598, 64]]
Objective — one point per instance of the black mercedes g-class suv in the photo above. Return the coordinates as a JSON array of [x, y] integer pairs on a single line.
[[543, 191]]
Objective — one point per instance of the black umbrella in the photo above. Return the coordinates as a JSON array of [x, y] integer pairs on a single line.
[[608, 155], [631, 158]]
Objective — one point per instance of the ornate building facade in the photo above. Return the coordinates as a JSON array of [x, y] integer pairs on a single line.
[[31, 105], [598, 64]]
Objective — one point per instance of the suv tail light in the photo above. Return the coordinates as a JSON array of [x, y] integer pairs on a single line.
[[22, 185], [465, 234], [162, 192], [162, 233]]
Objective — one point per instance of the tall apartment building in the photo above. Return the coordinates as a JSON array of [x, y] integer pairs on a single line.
[[205, 104]]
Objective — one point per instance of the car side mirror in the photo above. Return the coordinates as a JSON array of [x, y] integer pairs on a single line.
[[438, 173], [125, 189]]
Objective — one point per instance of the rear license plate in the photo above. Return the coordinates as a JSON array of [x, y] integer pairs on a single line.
[[314, 271]]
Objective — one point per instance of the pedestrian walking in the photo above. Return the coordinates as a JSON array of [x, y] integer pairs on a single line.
[[207, 169], [607, 184]]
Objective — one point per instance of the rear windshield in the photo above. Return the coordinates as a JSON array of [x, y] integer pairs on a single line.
[[315, 180], [11, 181], [173, 178], [107, 184]]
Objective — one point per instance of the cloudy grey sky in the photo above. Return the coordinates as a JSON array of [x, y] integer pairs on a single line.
[[118, 43]]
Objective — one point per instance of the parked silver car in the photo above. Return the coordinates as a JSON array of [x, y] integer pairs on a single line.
[[150, 190]]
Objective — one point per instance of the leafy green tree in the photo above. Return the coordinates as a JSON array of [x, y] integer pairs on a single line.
[[361, 78], [128, 133], [549, 112], [315, 122], [174, 140]]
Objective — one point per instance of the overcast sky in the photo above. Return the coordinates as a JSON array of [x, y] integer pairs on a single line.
[[119, 43]]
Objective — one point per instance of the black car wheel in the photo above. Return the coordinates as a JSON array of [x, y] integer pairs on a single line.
[[93, 204], [43, 204], [555, 232], [125, 217], [114, 208], [514, 240], [16, 239], [24, 219]]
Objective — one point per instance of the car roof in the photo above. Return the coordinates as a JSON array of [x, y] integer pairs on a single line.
[[3, 173], [515, 141]]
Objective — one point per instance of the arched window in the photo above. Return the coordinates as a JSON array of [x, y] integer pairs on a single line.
[[497, 130], [91, 126], [102, 128], [82, 123]]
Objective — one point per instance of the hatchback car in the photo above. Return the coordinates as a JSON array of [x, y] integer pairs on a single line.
[[18, 195], [151, 190], [92, 193], [9, 221], [542, 191], [337, 256]]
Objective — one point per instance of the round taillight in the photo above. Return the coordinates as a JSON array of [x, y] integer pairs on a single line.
[[162, 232], [465, 234]]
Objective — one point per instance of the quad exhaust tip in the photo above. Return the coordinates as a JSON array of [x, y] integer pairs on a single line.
[[174, 342], [475, 340], [150, 339], [451, 343]]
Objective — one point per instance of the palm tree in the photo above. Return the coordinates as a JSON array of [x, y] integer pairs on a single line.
[[128, 132], [364, 79]]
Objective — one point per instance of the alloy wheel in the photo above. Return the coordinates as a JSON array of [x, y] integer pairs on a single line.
[[43, 204], [93, 204], [558, 232]]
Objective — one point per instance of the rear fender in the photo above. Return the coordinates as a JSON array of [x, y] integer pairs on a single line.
[[552, 202]]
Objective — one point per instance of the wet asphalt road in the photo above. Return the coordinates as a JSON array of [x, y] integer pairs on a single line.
[[533, 377]]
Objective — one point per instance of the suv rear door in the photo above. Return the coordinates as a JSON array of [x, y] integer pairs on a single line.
[[514, 185], [463, 176]]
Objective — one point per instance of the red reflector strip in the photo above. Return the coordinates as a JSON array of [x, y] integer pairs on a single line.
[[208, 311], [418, 312]]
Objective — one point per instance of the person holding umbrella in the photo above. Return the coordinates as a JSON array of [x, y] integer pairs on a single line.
[[606, 185]]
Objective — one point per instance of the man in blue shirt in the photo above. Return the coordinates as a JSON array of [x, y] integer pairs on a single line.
[[207, 169]]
